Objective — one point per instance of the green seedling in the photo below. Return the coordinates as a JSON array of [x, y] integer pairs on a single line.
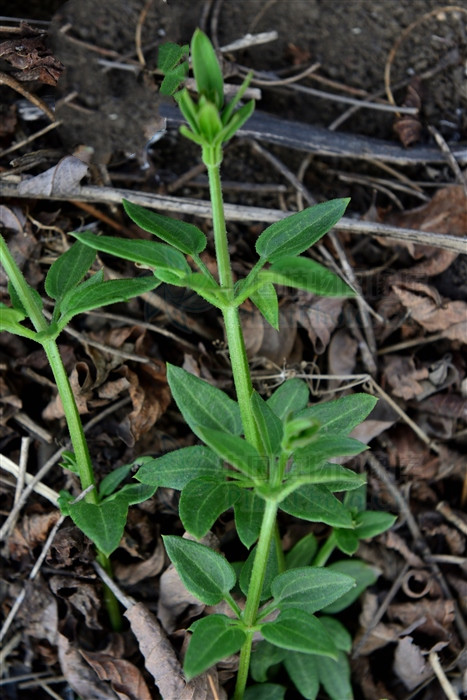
[[258, 457], [101, 514]]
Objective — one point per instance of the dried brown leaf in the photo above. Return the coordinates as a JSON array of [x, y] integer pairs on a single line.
[[131, 574], [162, 663], [30, 532], [82, 597], [403, 377], [125, 679], [32, 57], [39, 612], [319, 316], [409, 664], [408, 127], [150, 396], [61, 178], [342, 353], [438, 616], [81, 677], [448, 317]]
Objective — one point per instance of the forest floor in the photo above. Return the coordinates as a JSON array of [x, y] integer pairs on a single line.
[[359, 99]]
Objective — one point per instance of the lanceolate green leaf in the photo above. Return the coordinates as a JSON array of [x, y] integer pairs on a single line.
[[265, 691], [371, 523], [168, 264], [93, 297], [176, 469], [296, 630], [303, 670], [296, 233], [302, 553], [263, 657], [265, 298], [309, 588], [364, 576], [68, 270], [206, 69], [268, 424], [317, 504], [203, 405], [341, 416], [236, 451], [332, 476], [334, 676], [10, 322], [213, 638], [324, 448], [185, 237], [271, 571], [205, 573], [248, 511], [305, 273], [203, 500], [290, 396]]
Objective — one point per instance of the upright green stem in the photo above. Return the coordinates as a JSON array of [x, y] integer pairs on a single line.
[[75, 428], [254, 593]]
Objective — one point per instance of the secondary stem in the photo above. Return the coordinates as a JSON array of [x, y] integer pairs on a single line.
[[75, 428]]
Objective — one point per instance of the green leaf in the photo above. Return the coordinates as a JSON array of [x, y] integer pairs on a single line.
[[265, 298], [248, 511], [316, 504], [268, 424], [299, 432], [305, 273], [309, 588], [264, 657], [326, 447], [102, 523], [203, 500], [16, 302], [168, 62], [112, 481], [290, 396], [168, 264], [68, 270], [298, 631], [296, 233], [346, 540], [94, 296], [176, 469], [204, 573], [341, 416], [187, 238], [201, 404], [206, 69], [209, 121], [131, 494], [332, 476], [204, 286], [364, 576], [323, 448], [272, 569], [303, 671], [189, 109], [237, 120], [302, 553], [236, 451], [334, 676], [9, 322], [356, 500], [341, 636], [213, 638], [371, 523], [265, 691]]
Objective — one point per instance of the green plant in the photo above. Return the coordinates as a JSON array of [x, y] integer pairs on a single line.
[[277, 451], [101, 513]]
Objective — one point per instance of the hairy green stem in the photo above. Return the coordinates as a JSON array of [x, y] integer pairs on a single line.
[[33, 309], [325, 552], [254, 593]]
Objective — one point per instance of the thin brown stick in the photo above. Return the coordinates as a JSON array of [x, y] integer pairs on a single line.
[[8, 80], [139, 29]]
